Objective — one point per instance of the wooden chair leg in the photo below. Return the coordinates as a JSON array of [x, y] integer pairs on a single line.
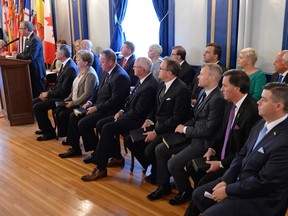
[[55, 123]]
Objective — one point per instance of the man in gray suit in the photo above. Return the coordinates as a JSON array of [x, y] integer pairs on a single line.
[[202, 130], [281, 67]]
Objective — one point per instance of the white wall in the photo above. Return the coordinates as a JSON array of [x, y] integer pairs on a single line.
[[267, 31], [190, 28], [98, 24]]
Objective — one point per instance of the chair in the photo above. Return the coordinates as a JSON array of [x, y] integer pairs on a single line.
[[55, 123]]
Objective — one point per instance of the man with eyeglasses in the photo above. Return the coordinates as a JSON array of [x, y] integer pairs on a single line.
[[186, 73], [172, 108], [33, 51]]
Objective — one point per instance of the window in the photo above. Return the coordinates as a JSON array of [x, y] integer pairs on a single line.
[[141, 26]]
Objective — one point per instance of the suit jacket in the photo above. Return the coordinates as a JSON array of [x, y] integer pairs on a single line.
[[140, 103], [260, 176], [96, 65], [275, 76], [187, 73], [173, 110], [34, 52], [207, 118], [64, 81], [112, 93], [85, 87], [247, 117], [128, 67]]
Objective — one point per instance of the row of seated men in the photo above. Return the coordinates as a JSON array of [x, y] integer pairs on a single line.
[[215, 128]]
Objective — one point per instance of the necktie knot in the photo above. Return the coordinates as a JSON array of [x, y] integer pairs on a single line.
[[280, 78]]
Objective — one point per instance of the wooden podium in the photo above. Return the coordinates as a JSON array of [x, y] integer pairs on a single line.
[[16, 93]]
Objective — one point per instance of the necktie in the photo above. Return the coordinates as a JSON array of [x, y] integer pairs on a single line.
[[202, 98], [26, 42], [124, 62], [280, 78], [130, 97], [107, 77], [162, 93], [228, 128], [262, 133], [61, 68]]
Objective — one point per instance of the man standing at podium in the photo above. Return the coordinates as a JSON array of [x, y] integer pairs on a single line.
[[33, 51]]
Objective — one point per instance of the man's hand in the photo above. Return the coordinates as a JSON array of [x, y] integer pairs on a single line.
[[91, 110], [179, 129], [146, 124], [86, 105], [118, 114], [219, 192], [215, 165], [151, 135], [209, 153], [43, 96], [69, 104]]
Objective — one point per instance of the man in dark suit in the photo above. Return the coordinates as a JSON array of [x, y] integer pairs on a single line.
[[212, 54], [33, 51], [87, 45], [201, 128], [127, 61], [132, 116], [281, 67], [173, 107], [257, 181], [113, 90], [186, 73], [46, 100], [240, 116]]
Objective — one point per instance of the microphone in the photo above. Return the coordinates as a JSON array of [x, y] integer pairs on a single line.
[[7, 44]]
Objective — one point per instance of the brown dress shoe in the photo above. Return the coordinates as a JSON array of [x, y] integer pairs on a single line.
[[95, 174], [115, 162]]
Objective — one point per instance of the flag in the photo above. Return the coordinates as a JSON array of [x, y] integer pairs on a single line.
[[40, 18], [10, 19], [49, 39], [27, 10]]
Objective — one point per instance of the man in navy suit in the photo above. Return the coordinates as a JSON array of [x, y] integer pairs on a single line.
[[281, 67], [46, 100], [172, 109], [187, 72], [137, 106], [257, 181], [33, 51], [127, 61], [231, 136], [201, 129], [110, 97]]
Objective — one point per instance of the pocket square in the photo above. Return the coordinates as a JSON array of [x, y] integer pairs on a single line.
[[236, 127], [168, 99], [261, 150]]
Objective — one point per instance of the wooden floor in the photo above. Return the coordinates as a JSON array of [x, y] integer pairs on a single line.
[[35, 181]]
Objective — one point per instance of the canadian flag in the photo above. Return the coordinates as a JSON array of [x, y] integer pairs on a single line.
[[49, 39]]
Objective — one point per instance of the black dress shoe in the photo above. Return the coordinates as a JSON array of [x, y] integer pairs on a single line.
[[64, 142], [39, 132], [161, 191], [88, 159], [70, 153], [46, 137], [150, 178], [181, 198], [115, 162]]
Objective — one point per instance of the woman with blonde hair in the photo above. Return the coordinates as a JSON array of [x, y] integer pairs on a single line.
[[246, 60]]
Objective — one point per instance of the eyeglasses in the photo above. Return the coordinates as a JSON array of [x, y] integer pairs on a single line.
[[21, 28], [163, 69], [173, 54], [136, 66]]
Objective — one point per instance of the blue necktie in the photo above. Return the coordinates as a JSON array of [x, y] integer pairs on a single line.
[[280, 78], [262, 133]]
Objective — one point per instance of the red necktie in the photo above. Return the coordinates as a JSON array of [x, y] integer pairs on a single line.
[[124, 62]]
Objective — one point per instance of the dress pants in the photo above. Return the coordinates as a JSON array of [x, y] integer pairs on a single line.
[[63, 115], [38, 86], [109, 147], [84, 125], [166, 164], [41, 109]]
